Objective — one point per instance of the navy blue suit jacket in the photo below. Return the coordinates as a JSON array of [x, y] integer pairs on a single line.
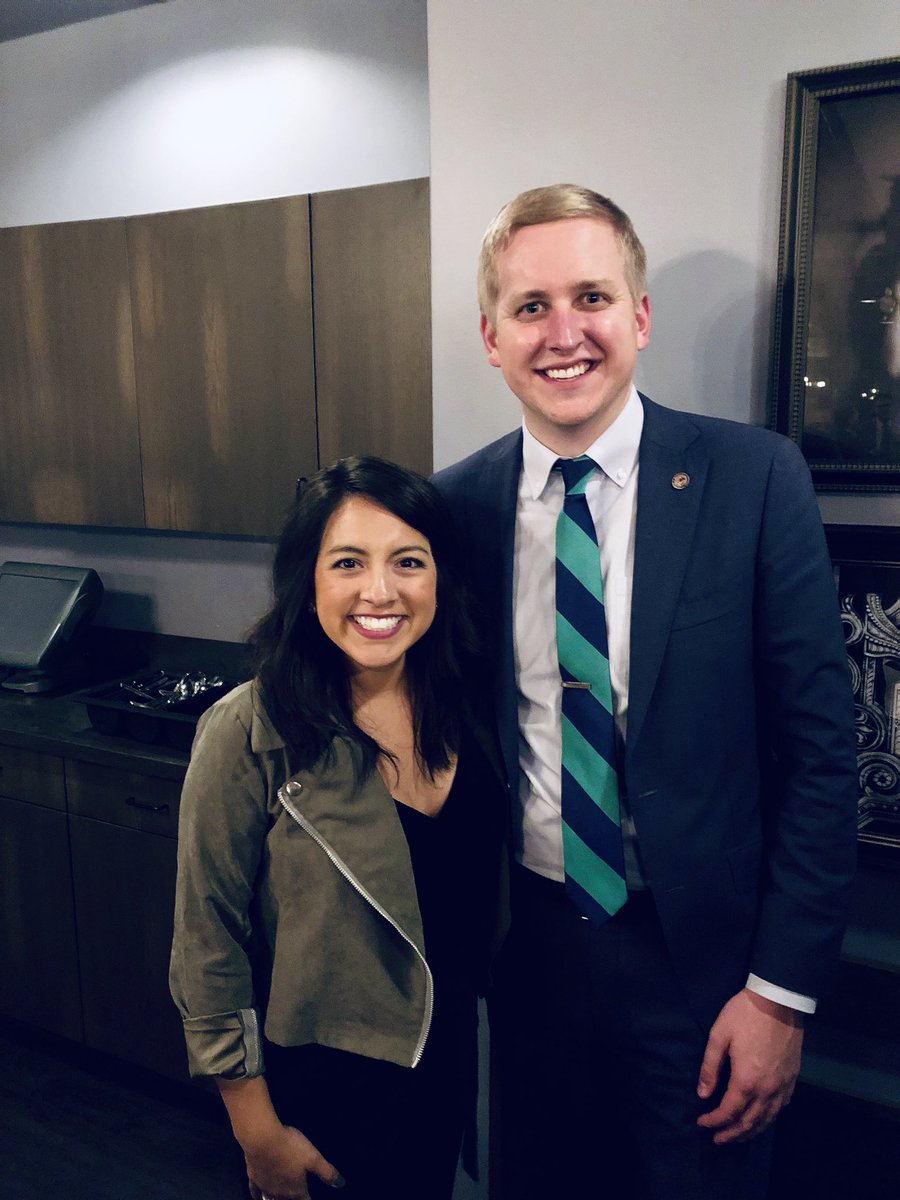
[[740, 766]]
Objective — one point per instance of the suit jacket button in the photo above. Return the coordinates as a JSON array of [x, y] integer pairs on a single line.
[[294, 788], [680, 481]]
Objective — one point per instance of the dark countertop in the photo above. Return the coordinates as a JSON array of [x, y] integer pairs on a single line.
[[59, 723]]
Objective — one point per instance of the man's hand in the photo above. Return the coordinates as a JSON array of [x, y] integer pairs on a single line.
[[762, 1041]]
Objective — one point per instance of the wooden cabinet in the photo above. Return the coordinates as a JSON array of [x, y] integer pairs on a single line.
[[87, 901], [122, 827], [38, 951], [224, 363], [130, 799], [68, 421], [372, 289], [172, 372]]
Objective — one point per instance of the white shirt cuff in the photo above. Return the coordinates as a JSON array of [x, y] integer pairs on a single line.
[[780, 995]]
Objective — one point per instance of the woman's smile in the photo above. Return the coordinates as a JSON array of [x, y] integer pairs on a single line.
[[377, 627]]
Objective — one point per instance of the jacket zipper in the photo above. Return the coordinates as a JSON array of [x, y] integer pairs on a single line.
[[370, 899]]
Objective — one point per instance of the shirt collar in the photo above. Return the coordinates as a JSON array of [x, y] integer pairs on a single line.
[[615, 451]]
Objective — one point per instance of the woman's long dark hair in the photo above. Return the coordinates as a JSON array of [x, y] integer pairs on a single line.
[[304, 678]]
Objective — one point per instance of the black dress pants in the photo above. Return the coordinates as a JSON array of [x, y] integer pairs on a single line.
[[598, 1056], [393, 1132]]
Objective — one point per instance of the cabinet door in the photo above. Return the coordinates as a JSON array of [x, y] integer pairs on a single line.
[[38, 952], [125, 900], [122, 827], [224, 363], [69, 450], [372, 290]]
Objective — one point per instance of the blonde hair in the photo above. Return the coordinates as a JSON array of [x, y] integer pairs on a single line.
[[557, 202]]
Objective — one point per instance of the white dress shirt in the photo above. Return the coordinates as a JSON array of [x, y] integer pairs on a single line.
[[611, 495]]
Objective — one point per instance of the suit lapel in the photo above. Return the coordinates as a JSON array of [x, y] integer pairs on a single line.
[[671, 445], [497, 489], [496, 538]]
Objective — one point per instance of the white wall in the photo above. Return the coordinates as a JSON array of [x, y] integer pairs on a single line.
[[200, 102], [191, 103], [675, 109]]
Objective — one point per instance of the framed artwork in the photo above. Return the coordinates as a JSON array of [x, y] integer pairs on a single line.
[[836, 380], [866, 562]]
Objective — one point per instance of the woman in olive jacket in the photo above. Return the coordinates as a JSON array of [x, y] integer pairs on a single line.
[[340, 855]]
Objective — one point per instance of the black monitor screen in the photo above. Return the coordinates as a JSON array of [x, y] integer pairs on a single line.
[[34, 609]]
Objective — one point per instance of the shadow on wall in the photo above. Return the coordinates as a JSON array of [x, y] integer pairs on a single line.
[[710, 343], [127, 610], [177, 584]]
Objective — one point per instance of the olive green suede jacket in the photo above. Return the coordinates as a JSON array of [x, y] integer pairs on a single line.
[[308, 873]]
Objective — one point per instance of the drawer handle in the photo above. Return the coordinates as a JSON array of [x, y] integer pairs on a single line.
[[132, 803]]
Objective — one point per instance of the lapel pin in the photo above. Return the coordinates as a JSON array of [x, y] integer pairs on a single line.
[[680, 481]]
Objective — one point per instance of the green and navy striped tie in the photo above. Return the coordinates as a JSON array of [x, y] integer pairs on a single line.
[[592, 835]]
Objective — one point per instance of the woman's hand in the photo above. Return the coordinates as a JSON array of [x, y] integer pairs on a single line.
[[278, 1168], [278, 1157]]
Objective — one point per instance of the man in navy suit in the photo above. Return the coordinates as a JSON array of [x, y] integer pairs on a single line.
[[652, 1051]]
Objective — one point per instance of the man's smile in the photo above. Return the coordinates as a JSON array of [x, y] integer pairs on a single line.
[[573, 372]]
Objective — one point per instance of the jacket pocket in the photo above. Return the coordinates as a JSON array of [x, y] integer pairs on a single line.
[[711, 604]]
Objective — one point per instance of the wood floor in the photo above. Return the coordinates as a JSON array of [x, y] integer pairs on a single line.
[[75, 1126], [78, 1126]]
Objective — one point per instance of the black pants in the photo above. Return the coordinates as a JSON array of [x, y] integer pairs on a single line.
[[598, 1056], [393, 1132]]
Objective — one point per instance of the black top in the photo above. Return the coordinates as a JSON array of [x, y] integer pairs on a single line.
[[455, 858]]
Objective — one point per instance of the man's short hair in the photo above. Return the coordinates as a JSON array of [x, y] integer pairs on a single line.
[[558, 202]]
